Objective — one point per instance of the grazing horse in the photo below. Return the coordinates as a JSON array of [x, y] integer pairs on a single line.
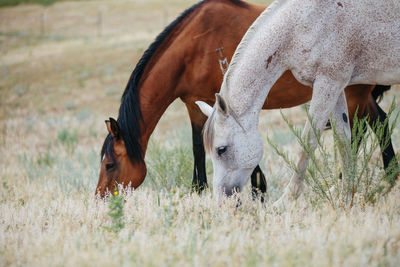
[[187, 61], [327, 45]]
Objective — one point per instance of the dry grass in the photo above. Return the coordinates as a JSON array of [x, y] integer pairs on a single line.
[[55, 91]]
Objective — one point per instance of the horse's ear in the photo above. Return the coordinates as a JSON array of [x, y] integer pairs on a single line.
[[221, 104], [205, 108], [113, 128]]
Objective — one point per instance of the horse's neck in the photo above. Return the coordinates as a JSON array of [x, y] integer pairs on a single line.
[[156, 93], [255, 67], [159, 83], [247, 97]]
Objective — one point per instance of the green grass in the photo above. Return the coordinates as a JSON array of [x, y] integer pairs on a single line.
[[170, 166], [116, 211]]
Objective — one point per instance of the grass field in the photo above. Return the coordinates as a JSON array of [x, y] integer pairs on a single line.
[[63, 68]]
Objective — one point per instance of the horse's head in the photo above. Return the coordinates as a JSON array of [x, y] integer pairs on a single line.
[[235, 147], [116, 166]]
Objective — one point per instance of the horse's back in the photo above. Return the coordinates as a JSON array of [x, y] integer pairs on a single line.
[[360, 39]]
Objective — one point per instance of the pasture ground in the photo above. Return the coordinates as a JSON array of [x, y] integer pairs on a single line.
[[62, 71]]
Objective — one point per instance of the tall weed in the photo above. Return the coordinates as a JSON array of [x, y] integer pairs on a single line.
[[364, 179], [170, 165]]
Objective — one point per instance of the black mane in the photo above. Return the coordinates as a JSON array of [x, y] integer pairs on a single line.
[[130, 115]]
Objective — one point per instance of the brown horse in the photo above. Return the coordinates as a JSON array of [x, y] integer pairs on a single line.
[[187, 61]]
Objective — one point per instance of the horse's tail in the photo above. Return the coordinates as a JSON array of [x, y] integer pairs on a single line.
[[378, 91]]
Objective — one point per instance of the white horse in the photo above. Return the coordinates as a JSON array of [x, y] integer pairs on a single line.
[[327, 44]]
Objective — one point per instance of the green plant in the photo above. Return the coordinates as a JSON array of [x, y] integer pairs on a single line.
[[364, 178], [21, 89], [70, 105], [68, 139], [171, 166], [84, 114], [45, 159], [116, 211]]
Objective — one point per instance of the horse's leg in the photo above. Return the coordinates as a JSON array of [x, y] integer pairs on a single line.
[[385, 142], [199, 172], [327, 97], [258, 183], [197, 119]]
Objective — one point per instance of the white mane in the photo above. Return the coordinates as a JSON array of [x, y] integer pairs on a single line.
[[260, 21]]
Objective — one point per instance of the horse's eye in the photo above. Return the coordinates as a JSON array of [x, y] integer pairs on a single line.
[[110, 166], [221, 150]]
